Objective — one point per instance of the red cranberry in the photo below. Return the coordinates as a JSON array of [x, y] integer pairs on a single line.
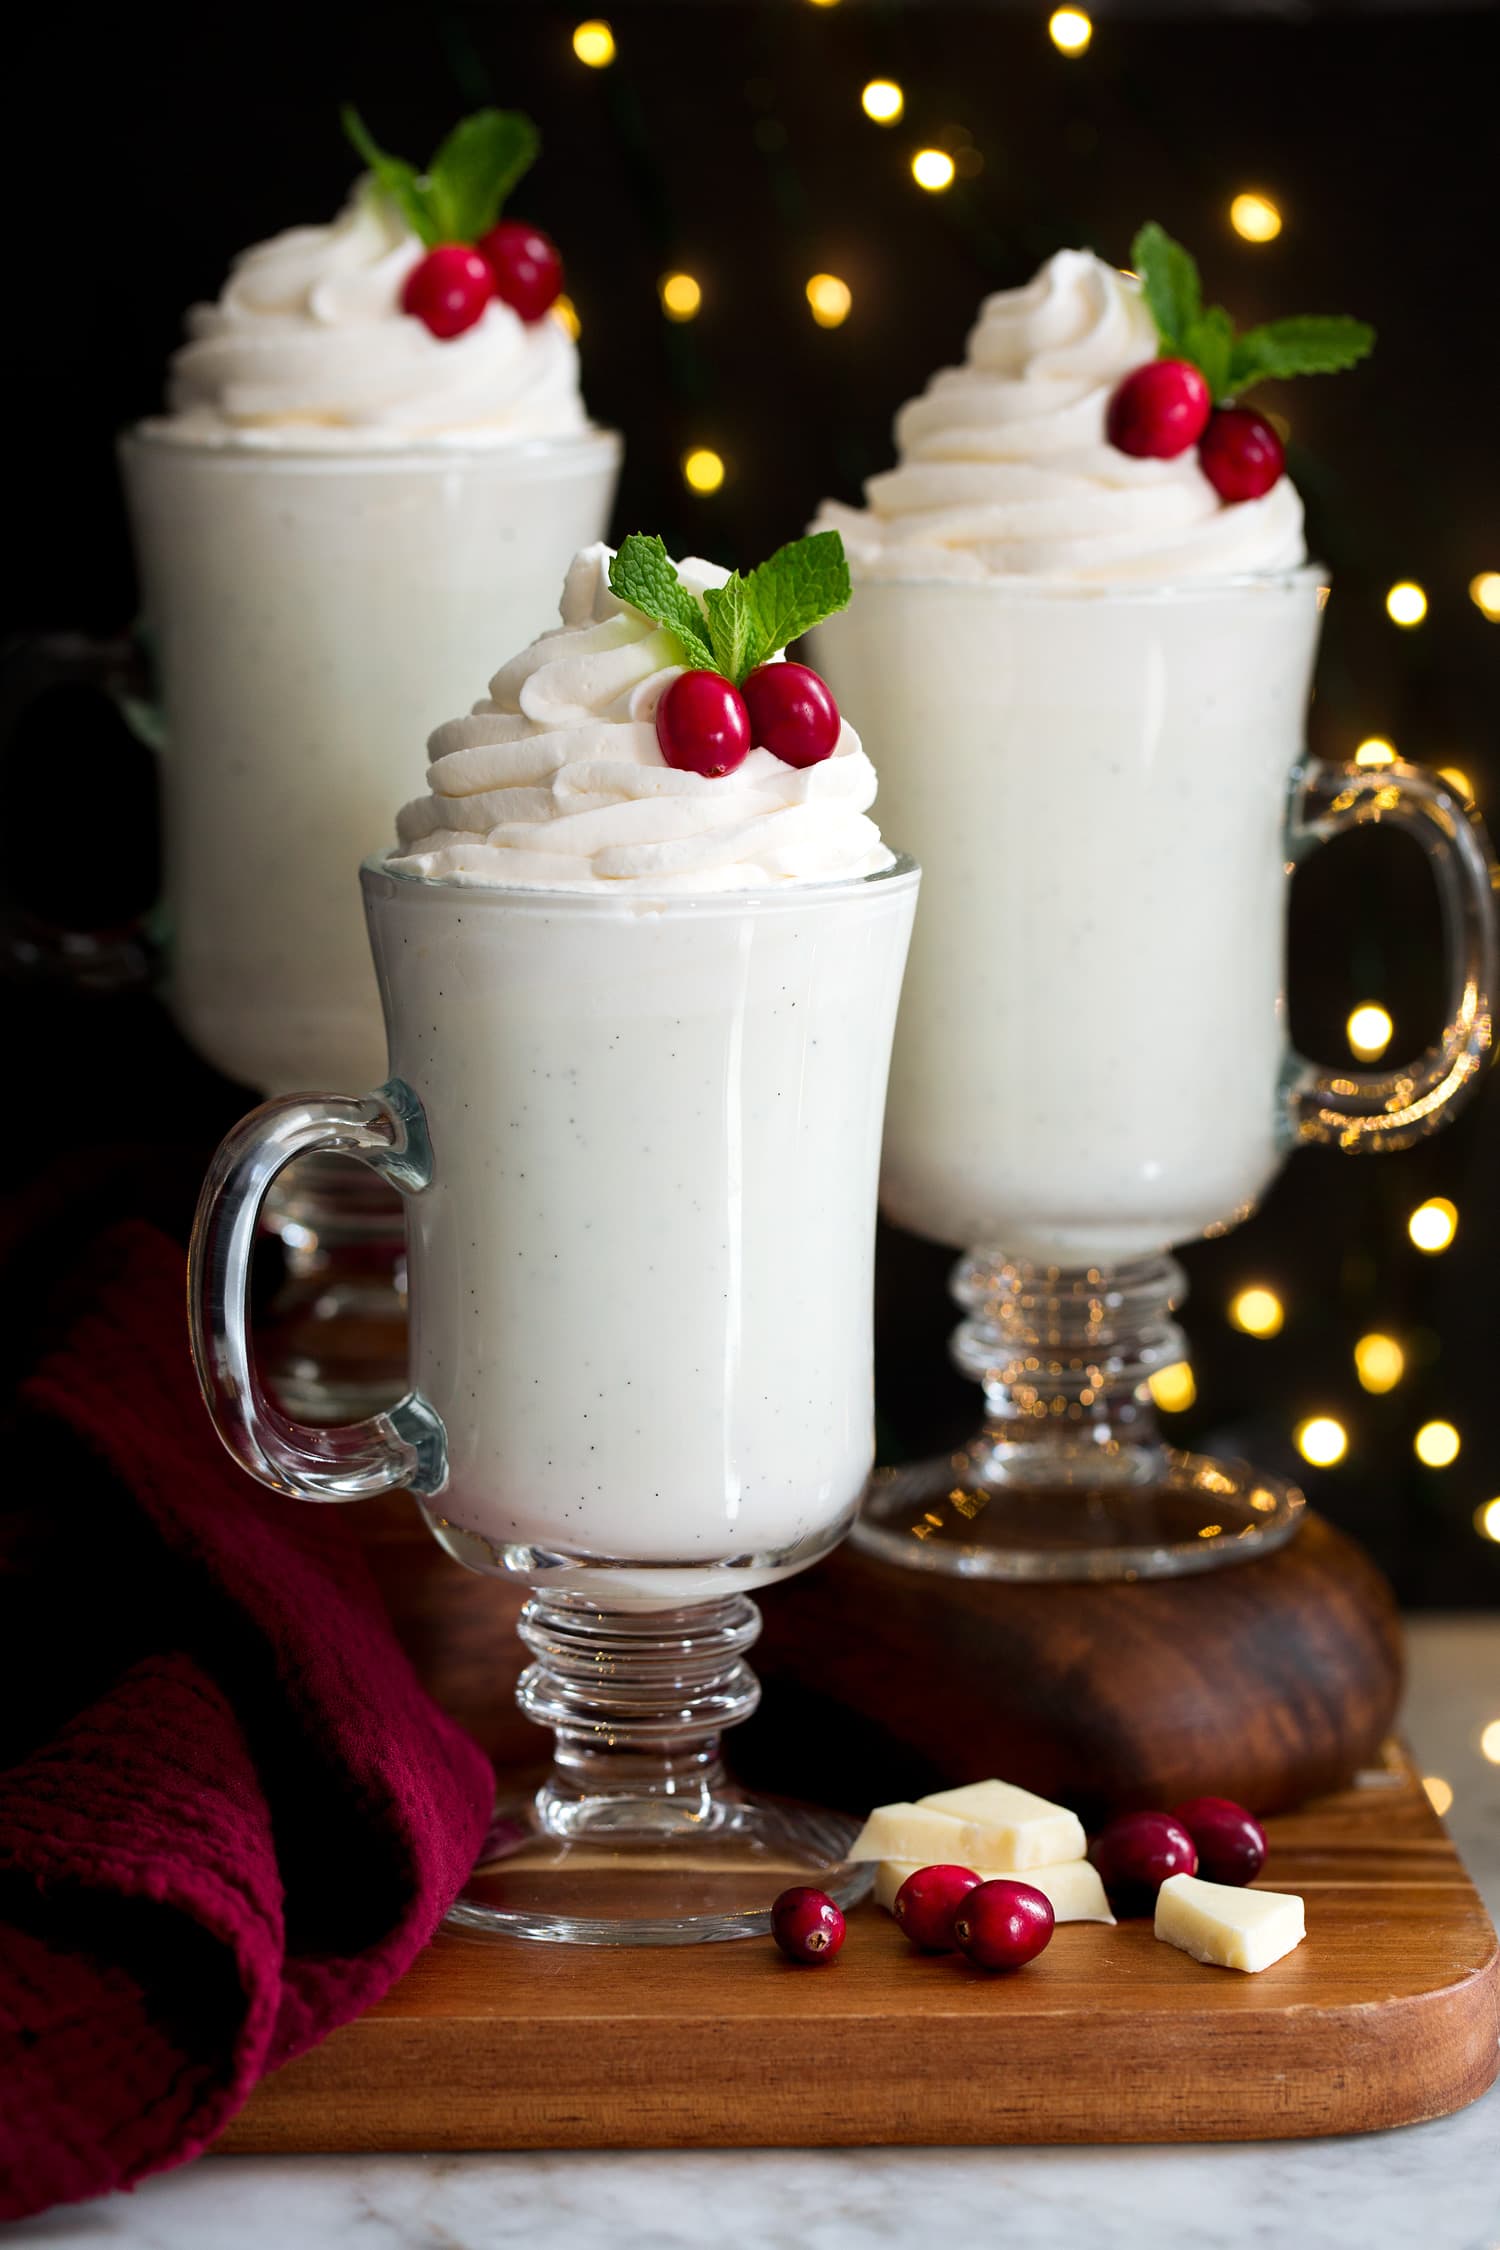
[[1136, 1853], [792, 713], [1230, 1842], [1240, 454], [926, 1904], [525, 263], [807, 1925], [1003, 1925], [702, 725], [1160, 410], [449, 289]]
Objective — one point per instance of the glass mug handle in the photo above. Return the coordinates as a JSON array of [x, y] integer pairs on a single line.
[[404, 1447], [1389, 1109]]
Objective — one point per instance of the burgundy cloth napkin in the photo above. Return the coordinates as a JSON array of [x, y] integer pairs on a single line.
[[229, 1814]]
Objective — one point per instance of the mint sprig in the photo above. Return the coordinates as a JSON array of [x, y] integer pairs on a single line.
[[460, 195], [748, 619], [1311, 344]]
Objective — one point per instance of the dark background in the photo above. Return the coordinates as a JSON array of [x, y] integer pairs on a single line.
[[146, 147]]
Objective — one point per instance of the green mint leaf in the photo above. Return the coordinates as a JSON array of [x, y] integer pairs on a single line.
[[1169, 282], [797, 588], [1314, 344], [735, 628], [1209, 344], [475, 169], [644, 574], [393, 176]]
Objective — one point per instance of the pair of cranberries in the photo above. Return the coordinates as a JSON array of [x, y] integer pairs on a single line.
[[1166, 406], [451, 286], [706, 725], [1208, 1836]]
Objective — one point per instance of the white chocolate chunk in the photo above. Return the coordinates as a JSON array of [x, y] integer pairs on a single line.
[[1073, 1887], [911, 1833], [1227, 1927], [1020, 1831]]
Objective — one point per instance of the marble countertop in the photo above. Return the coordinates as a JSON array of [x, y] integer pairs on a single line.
[[1437, 2185]]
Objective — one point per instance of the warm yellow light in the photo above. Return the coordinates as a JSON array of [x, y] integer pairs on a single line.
[[1484, 593], [1255, 217], [594, 43], [1439, 1792], [883, 101], [1457, 779], [1436, 1445], [1379, 1362], [1406, 604], [1257, 1311], [829, 298], [565, 311], [703, 469], [1433, 1224], [1321, 1440], [1174, 1390], [1375, 751], [1369, 1030], [1487, 1520], [932, 168], [680, 294], [1070, 30], [822, 3], [1489, 1742]]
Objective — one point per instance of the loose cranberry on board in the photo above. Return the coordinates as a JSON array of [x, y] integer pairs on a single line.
[[1136, 1853], [1230, 1842], [927, 1902], [1003, 1924], [807, 1925]]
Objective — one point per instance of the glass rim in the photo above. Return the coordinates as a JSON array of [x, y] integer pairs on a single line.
[[156, 433], [762, 897], [1019, 590]]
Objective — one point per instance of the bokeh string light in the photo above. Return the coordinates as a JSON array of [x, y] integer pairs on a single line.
[[1070, 30], [1439, 1792], [681, 295], [1437, 1445], [883, 101], [829, 299], [932, 169], [1406, 603], [1433, 1224], [1375, 751], [1487, 1520], [1254, 218], [1489, 1742], [1369, 1031], [1174, 1390], [1379, 1362], [594, 43], [1321, 1440], [703, 469], [1257, 1311], [1484, 593]]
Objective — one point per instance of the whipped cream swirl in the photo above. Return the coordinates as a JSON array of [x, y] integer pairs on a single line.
[[308, 346], [557, 780], [1005, 470]]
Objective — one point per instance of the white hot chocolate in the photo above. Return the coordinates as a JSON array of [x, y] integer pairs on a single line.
[[333, 523], [1083, 678], [649, 1026]]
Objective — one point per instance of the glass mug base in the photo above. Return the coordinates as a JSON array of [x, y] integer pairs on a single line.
[[969, 1515], [640, 1871]]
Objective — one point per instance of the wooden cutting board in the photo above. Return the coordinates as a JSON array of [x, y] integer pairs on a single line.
[[1388, 2013]]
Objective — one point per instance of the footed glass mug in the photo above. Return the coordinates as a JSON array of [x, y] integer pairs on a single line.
[[638, 1142], [1109, 790], [308, 609]]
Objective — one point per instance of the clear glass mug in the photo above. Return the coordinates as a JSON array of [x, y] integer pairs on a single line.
[[1109, 790], [310, 613], [638, 1144]]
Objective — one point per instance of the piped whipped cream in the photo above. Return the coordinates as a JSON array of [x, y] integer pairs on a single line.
[[308, 346], [1005, 470], [556, 780]]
